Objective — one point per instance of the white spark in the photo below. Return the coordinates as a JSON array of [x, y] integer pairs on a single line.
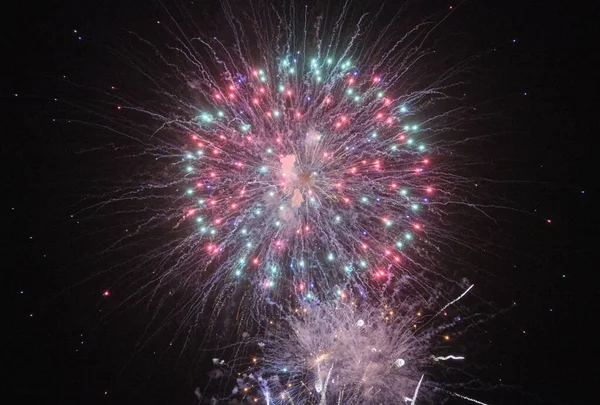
[[468, 399], [414, 398], [455, 300], [448, 358]]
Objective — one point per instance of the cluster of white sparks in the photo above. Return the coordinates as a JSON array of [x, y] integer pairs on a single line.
[[347, 353]]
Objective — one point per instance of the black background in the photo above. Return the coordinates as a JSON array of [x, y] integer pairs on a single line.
[[541, 81]]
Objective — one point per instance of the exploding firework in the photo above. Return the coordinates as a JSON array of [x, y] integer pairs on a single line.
[[341, 351], [295, 159], [351, 353]]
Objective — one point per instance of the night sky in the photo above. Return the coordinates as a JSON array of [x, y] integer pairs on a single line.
[[69, 340]]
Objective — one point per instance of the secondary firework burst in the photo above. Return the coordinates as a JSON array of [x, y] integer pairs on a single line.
[[359, 355], [352, 353], [281, 161]]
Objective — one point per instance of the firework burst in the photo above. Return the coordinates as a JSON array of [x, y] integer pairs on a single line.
[[351, 353], [298, 170], [282, 164]]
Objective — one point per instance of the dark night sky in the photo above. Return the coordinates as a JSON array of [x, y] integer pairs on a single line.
[[547, 268]]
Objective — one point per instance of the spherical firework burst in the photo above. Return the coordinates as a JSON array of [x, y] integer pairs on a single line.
[[296, 158]]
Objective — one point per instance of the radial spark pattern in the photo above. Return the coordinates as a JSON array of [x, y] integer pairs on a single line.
[[284, 163]]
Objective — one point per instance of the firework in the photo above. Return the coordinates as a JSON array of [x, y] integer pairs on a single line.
[[360, 355], [283, 164], [351, 353], [296, 171]]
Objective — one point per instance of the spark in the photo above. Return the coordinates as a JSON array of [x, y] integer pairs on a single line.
[[438, 358], [468, 399], [455, 300]]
